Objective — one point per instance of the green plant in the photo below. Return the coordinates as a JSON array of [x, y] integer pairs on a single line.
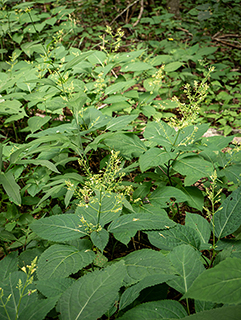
[[107, 183]]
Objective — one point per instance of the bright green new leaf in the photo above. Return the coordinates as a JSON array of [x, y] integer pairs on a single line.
[[93, 294], [154, 310], [195, 198], [59, 228], [61, 260], [11, 187], [120, 123], [228, 218], [186, 260], [221, 284]]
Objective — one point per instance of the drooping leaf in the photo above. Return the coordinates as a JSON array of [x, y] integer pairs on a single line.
[[132, 293], [37, 162], [11, 187], [162, 309], [61, 260], [221, 284], [145, 262], [169, 239], [228, 218], [59, 228], [93, 294], [186, 260]]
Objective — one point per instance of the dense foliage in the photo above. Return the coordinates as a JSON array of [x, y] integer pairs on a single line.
[[116, 201]]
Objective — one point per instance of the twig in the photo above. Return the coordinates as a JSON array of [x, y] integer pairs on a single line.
[[130, 5], [227, 43], [185, 30], [140, 14]]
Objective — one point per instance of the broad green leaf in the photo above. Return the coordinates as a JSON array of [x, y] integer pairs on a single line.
[[11, 187], [203, 305], [186, 260], [155, 157], [8, 264], [228, 218], [61, 260], [190, 134], [54, 287], [120, 123], [221, 284], [224, 313], [200, 225], [231, 244], [216, 143], [169, 239], [160, 133], [128, 144], [162, 309], [100, 238], [164, 195], [232, 173], [10, 288], [93, 294], [173, 66], [101, 209], [38, 309], [35, 123], [59, 228], [146, 262], [119, 86], [132, 293], [77, 60], [129, 224], [195, 197], [194, 168], [97, 57], [10, 107], [136, 66]]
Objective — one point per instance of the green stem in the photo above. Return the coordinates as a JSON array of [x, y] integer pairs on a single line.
[[5, 309], [188, 309]]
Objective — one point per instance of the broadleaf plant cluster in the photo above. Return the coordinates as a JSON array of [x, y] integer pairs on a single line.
[[114, 203]]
